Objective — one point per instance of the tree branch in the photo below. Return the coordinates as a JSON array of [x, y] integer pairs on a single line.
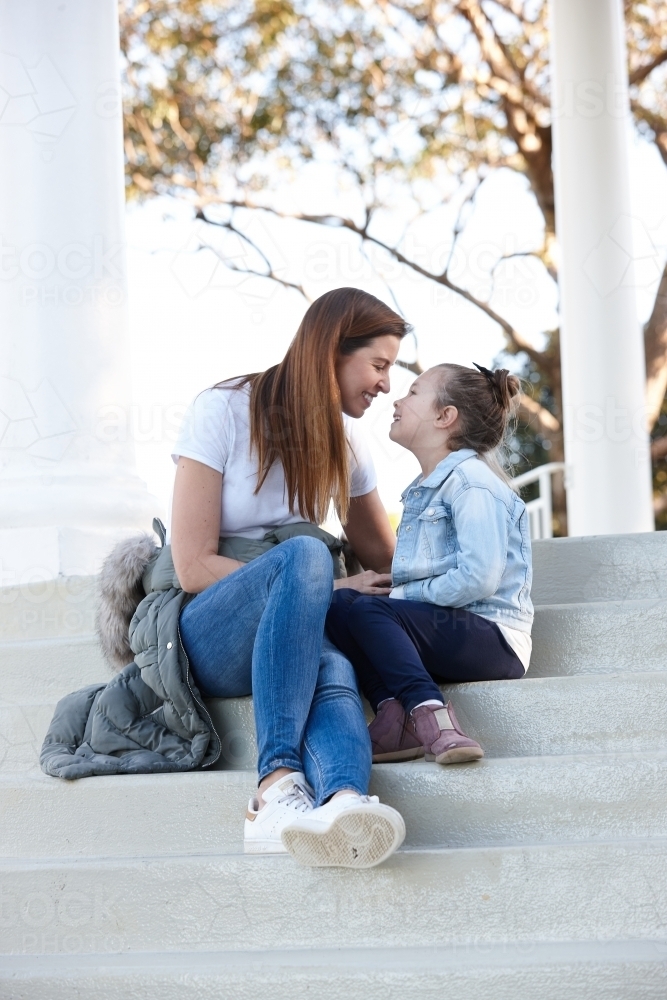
[[540, 255], [270, 274], [658, 448], [639, 74], [538, 416], [518, 342]]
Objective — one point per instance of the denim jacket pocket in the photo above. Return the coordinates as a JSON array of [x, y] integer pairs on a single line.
[[437, 530]]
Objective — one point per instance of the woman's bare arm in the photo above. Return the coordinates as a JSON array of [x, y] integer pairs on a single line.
[[369, 532], [195, 527]]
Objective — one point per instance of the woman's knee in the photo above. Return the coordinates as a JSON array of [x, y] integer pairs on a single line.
[[336, 670], [307, 555]]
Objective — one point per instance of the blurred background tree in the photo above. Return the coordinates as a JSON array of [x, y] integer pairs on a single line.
[[433, 95]]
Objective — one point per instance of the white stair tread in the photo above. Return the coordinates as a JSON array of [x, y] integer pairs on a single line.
[[600, 568], [46, 609], [589, 713], [533, 716], [599, 637], [587, 970], [561, 892], [502, 801], [47, 647], [48, 669]]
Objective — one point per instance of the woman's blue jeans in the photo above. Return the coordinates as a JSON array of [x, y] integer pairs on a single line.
[[260, 631]]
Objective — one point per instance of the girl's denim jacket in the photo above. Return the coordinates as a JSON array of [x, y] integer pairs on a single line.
[[464, 542]]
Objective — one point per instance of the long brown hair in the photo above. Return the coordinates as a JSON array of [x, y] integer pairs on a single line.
[[295, 406]]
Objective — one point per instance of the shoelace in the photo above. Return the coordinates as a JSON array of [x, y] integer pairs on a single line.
[[298, 798]]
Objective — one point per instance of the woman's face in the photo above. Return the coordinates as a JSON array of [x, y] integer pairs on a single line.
[[365, 373]]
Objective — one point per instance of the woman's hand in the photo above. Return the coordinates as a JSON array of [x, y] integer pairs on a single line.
[[367, 582]]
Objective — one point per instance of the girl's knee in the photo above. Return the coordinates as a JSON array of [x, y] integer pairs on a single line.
[[365, 605]]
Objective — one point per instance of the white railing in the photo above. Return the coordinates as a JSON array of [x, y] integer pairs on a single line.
[[540, 510]]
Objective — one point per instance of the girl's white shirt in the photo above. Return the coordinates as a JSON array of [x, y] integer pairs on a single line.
[[520, 642], [216, 432]]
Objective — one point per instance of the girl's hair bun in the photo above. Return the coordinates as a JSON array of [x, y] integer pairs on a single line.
[[507, 388]]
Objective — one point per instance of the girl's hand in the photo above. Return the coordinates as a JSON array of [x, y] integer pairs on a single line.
[[367, 582]]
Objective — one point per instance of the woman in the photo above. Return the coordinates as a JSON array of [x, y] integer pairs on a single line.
[[275, 449]]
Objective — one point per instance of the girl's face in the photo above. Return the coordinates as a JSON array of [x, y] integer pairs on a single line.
[[365, 373], [417, 423]]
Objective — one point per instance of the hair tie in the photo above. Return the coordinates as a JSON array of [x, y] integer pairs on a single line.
[[491, 377], [485, 371]]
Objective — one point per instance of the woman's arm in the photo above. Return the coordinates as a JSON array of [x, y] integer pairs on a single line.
[[369, 532], [195, 527]]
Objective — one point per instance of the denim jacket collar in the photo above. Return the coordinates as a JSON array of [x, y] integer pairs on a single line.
[[443, 469]]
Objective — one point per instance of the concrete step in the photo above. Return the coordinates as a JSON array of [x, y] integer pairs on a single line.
[[586, 970], [587, 714], [603, 637], [60, 608], [524, 800], [600, 568], [49, 668], [531, 717], [22, 730], [519, 895], [566, 571]]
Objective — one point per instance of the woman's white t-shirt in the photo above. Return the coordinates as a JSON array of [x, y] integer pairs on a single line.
[[216, 432]]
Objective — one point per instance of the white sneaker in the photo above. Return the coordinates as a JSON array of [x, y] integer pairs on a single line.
[[352, 831], [285, 799]]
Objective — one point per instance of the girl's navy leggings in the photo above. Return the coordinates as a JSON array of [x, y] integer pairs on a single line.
[[400, 649]]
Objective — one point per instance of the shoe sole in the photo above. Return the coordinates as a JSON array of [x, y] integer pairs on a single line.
[[358, 838], [416, 753], [263, 847], [459, 755]]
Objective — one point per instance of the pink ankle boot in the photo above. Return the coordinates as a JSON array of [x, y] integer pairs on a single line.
[[392, 734], [442, 737]]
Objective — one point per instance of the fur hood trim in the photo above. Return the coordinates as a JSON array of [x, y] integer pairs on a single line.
[[120, 593]]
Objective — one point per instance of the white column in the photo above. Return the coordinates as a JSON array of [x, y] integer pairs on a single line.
[[602, 354], [68, 485]]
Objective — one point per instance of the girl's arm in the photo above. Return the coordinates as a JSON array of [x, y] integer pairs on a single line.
[[482, 531], [369, 532], [195, 527]]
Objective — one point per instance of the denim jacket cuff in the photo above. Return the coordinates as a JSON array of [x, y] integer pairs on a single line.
[[413, 591]]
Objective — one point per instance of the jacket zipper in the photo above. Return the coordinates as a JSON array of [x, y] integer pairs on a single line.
[[199, 704]]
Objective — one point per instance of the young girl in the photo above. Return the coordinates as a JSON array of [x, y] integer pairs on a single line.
[[460, 607]]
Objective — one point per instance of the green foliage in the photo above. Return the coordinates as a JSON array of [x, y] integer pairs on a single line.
[[659, 435], [530, 446]]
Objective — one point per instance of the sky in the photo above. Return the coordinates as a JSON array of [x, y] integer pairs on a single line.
[[194, 322]]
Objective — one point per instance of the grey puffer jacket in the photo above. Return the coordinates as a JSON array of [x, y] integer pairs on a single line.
[[150, 717]]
